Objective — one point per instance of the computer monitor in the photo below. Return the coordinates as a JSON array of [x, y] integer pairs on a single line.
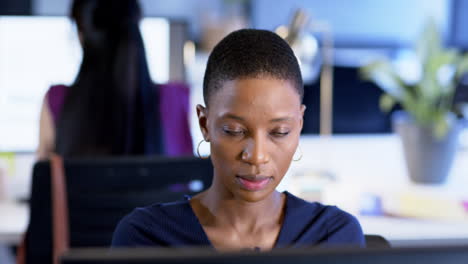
[[427, 255], [39, 51]]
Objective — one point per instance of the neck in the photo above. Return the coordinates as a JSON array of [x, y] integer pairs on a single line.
[[223, 209]]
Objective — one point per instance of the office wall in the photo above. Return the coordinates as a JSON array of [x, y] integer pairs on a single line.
[[193, 11], [354, 22], [359, 22]]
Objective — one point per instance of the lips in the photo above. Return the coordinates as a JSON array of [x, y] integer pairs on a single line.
[[253, 183]]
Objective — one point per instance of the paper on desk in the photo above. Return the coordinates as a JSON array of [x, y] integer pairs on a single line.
[[310, 184], [6, 168], [7, 163], [426, 205]]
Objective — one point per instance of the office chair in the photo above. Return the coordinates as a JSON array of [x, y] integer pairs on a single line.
[[376, 241], [97, 194]]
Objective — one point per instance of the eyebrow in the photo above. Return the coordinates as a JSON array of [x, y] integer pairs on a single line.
[[280, 119], [231, 116], [274, 120]]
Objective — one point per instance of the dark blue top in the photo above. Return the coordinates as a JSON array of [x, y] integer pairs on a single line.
[[175, 225]]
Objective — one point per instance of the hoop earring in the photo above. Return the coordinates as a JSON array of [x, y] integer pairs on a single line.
[[198, 149], [300, 152]]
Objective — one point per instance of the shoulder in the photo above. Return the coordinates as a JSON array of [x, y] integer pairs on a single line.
[[173, 88], [152, 225], [57, 90], [343, 228], [316, 210], [329, 224], [55, 98], [156, 212]]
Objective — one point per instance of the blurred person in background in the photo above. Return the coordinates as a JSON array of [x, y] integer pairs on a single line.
[[113, 107]]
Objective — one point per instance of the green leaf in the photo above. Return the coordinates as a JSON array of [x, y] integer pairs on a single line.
[[387, 103], [410, 105], [429, 100], [429, 90], [429, 42], [434, 62], [381, 72], [441, 128], [462, 65]]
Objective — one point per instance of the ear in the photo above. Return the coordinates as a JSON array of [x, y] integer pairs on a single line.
[[303, 108], [203, 121]]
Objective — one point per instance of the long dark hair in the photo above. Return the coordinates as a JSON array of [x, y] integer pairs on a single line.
[[104, 110]]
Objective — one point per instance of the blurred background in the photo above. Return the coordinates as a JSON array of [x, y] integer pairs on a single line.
[[352, 157], [360, 30]]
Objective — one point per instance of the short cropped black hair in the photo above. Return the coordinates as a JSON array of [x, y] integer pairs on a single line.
[[251, 53]]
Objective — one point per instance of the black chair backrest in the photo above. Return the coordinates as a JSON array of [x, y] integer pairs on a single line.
[[376, 241], [101, 191]]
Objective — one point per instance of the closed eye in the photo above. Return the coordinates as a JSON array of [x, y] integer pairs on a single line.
[[233, 132], [280, 134]]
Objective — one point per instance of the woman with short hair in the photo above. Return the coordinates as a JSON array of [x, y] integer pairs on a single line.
[[252, 119]]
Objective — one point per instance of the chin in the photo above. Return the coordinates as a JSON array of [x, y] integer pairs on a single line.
[[253, 196]]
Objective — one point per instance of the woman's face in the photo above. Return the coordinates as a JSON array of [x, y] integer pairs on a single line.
[[253, 125]]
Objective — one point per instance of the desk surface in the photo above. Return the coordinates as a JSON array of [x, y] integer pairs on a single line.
[[358, 164], [344, 170], [14, 218]]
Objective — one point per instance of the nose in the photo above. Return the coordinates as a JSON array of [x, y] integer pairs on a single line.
[[255, 151]]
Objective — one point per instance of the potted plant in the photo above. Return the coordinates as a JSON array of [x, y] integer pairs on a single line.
[[422, 81]]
